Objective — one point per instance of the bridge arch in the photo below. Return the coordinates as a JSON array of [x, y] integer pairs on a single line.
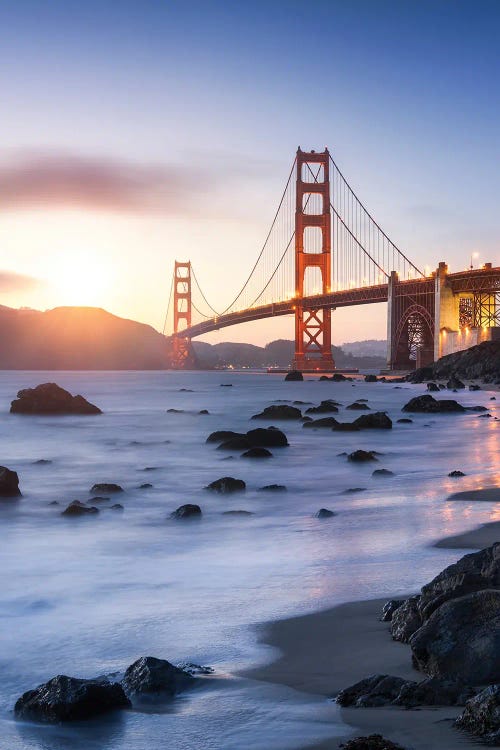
[[414, 339]]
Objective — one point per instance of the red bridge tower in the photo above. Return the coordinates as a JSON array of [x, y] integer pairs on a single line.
[[182, 355]]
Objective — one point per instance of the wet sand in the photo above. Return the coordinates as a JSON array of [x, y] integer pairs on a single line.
[[326, 651], [478, 538]]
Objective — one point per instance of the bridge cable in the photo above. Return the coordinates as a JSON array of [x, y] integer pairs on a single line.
[[168, 306]]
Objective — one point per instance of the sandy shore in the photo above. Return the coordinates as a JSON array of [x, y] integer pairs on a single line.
[[479, 538], [324, 652]]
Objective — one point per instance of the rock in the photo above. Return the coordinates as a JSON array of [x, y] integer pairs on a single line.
[[117, 506], [9, 483], [433, 692], [474, 387], [237, 513], [374, 691], [382, 473], [175, 411], [325, 422], [42, 462], [98, 499], [204, 411], [279, 411], [493, 398], [481, 716], [49, 398], [377, 420], [220, 436], [187, 511], [461, 639], [454, 383], [54, 502], [432, 387], [371, 379], [70, 699], [429, 405], [324, 408], [371, 742], [358, 406], [76, 508], [389, 608], [345, 427], [145, 486], [226, 385], [272, 488], [324, 513], [406, 620], [337, 377], [235, 444], [106, 487], [195, 669], [405, 420], [456, 473], [267, 438], [361, 456], [476, 408], [257, 453], [293, 375], [226, 485], [151, 678], [354, 490]]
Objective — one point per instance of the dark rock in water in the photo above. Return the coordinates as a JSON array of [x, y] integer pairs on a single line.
[[220, 436], [9, 483], [406, 620], [432, 387], [117, 506], [456, 473], [187, 511], [76, 508], [237, 513], [389, 608], [305, 403], [325, 422], [377, 420], [474, 387], [405, 420], [272, 488], [106, 487], [267, 438], [226, 485], [345, 427], [371, 742], [477, 362], [294, 375], [235, 444], [324, 408], [493, 398], [49, 398], [70, 699], [481, 716], [204, 411], [433, 692], [195, 669], [54, 502], [152, 678], [461, 639], [358, 406], [337, 377], [324, 513], [324, 378], [226, 385], [360, 456], [175, 411], [307, 419], [186, 390], [354, 490], [98, 499], [429, 405], [454, 383], [42, 462], [382, 473], [145, 486], [257, 453], [279, 411], [476, 408], [377, 690], [371, 379]]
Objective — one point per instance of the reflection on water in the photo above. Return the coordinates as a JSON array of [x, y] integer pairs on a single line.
[[88, 596]]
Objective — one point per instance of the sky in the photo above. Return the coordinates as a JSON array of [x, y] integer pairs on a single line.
[[137, 132]]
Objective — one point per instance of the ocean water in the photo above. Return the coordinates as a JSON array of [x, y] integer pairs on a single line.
[[87, 596]]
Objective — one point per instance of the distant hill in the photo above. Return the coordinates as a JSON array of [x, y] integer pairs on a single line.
[[89, 338], [368, 348]]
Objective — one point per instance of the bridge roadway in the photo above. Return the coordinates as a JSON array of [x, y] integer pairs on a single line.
[[464, 281]]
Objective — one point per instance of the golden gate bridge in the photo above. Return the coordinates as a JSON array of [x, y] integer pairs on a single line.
[[324, 250]]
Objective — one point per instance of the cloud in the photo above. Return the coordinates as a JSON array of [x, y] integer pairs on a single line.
[[16, 282], [98, 183]]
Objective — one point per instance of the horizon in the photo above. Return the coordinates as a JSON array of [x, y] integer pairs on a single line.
[[129, 161]]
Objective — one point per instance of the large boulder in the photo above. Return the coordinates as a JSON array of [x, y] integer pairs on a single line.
[[406, 619], [279, 411], [239, 443], [325, 407], [293, 375], [461, 639], [324, 423], [358, 406], [70, 699], [481, 716], [9, 483], [220, 436], [376, 690], [49, 398], [267, 438], [427, 404], [189, 510], [106, 487], [384, 690], [150, 678], [377, 420], [226, 485]]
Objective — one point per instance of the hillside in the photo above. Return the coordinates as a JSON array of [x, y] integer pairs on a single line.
[[480, 362]]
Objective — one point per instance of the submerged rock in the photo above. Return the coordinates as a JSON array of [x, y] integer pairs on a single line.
[[189, 510], [272, 488], [279, 411], [324, 513], [325, 422], [358, 406], [429, 405], [106, 487], [324, 408], [361, 456], [267, 438], [377, 420], [70, 699], [293, 375], [345, 427], [456, 473], [77, 508], [220, 436], [382, 473], [239, 443], [257, 453], [49, 398], [226, 485], [9, 483], [153, 678], [405, 420]]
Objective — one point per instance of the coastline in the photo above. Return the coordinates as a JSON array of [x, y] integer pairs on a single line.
[[323, 652], [480, 537]]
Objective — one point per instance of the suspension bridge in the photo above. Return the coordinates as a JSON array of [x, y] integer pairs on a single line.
[[323, 251]]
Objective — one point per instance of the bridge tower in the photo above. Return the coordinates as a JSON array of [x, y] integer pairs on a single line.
[[182, 355], [313, 346]]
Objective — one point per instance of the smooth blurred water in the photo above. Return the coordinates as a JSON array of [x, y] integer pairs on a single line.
[[87, 596]]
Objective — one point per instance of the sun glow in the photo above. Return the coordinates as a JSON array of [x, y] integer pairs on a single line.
[[81, 278]]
